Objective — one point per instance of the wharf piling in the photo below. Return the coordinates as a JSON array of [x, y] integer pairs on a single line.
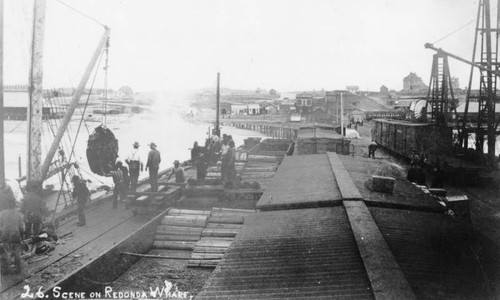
[[276, 131]]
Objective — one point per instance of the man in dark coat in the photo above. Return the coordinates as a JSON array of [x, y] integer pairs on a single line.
[[81, 193], [119, 188], [371, 149], [153, 165]]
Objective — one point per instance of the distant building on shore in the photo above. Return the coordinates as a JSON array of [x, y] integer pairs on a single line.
[[352, 88], [384, 90], [413, 84]]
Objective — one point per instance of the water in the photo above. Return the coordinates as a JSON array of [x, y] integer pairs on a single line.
[[162, 124]]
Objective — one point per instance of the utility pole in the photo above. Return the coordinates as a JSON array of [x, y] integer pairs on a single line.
[[35, 105], [217, 128], [2, 144], [342, 115]]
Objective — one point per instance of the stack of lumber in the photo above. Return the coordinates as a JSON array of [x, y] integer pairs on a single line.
[[223, 226], [214, 171], [180, 229], [259, 168]]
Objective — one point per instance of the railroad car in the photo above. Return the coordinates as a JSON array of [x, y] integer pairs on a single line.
[[402, 137]]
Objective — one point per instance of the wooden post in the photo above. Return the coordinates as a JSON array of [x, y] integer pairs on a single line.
[[2, 153], [35, 115], [74, 103], [217, 128], [19, 164]]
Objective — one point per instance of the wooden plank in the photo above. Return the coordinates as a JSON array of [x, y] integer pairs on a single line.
[[346, 185], [386, 277], [203, 263], [167, 237], [148, 195], [164, 228], [201, 249], [224, 226], [186, 221], [198, 255], [176, 211], [174, 245], [216, 232], [215, 209], [227, 220]]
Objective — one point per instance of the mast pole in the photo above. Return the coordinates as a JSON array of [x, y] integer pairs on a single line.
[[2, 144], [342, 115], [74, 103], [35, 105], [217, 128]]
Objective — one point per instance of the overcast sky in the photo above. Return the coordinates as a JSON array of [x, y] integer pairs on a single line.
[[287, 45]]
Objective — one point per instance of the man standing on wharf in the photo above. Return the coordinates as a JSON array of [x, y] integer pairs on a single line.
[[134, 166], [153, 164]]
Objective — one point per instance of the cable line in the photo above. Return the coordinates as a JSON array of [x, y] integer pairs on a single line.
[[455, 31], [81, 13]]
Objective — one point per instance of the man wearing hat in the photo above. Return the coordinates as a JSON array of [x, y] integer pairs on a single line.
[[134, 166], [178, 171], [81, 193], [153, 164]]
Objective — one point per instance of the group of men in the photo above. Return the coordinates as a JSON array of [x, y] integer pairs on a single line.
[[125, 179], [215, 149]]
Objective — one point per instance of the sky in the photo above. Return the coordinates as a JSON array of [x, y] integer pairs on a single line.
[[292, 45]]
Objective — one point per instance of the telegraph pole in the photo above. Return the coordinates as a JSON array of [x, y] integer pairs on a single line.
[[35, 105], [217, 128], [2, 144]]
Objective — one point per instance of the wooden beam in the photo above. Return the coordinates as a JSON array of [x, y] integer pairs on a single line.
[[346, 185], [74, 103], [386, 277], [2, 148]]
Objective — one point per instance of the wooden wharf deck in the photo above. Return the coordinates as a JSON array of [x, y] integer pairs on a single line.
[[323, 233]]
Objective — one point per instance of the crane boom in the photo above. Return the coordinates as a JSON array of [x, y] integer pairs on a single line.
[[441, 51]]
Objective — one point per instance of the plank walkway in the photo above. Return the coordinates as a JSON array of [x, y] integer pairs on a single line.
[[301, 181], [322, 233]]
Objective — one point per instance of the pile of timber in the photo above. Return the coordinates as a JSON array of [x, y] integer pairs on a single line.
[[222, 227], [180, 229], [208, 234], [214, 171], [259, 168]]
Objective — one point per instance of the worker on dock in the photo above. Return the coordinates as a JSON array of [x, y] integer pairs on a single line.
[[11, 229], [224, 159], [153, 164], [178, 171], [81, 193], [34, 209], [201, 167], [126, 177], [371, 149], [119, 189], [231, 167], [135, 166], [195, 153]]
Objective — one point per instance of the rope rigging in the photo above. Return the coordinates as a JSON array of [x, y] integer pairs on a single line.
[[455, 31], [81, 13], [65, 171]]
